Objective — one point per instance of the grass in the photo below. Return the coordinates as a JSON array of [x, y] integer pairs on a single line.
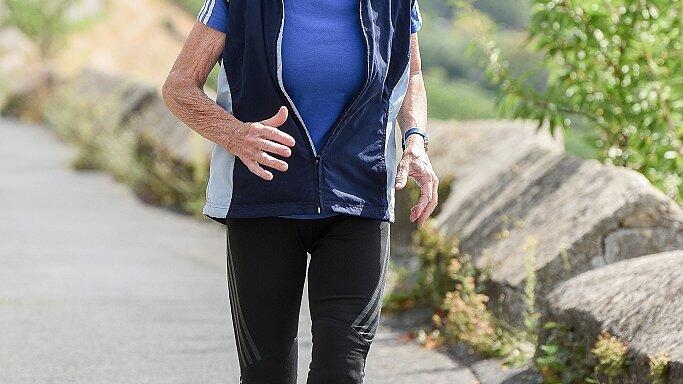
[[453, 288]]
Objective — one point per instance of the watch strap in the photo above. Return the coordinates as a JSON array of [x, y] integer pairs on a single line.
[[414, 131]]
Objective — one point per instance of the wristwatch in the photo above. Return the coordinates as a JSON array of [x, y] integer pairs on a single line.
[[415, 131]]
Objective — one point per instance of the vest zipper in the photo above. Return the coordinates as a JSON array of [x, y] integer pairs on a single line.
[[317, 179], [282, 85], [297, 116], [343, 115]]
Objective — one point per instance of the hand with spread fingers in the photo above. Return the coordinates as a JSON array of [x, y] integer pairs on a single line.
[[415, 163], [253, 143]]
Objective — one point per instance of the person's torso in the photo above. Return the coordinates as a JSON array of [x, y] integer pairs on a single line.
[[353, 169]]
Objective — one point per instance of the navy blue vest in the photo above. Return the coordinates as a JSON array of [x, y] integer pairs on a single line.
[[354, 172]]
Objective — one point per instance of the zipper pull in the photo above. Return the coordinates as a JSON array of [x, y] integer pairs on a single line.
[[317, 160]]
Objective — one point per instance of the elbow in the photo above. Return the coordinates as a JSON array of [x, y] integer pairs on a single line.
[[169, 89], [177, 88], [174, 88]]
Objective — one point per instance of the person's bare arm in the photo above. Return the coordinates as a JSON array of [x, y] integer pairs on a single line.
[[183, 93], [413, 111], [415, 162]]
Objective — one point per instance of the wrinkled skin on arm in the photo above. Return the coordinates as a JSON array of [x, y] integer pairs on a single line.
[[415, 162], [183, 93]]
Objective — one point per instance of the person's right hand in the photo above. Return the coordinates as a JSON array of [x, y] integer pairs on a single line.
[[251, 142]]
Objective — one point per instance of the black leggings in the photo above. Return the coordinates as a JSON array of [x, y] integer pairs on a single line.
[[266, 270]]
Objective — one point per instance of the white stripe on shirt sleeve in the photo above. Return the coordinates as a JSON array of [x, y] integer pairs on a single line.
[[201, 11], [209, 11]]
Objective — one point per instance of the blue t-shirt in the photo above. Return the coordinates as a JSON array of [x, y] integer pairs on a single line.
[[323, 61], [323, 58]]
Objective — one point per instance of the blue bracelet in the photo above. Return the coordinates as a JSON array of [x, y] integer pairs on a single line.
[[414, 131]]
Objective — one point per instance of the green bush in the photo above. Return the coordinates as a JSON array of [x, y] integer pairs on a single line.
[[617, 64], [563, 358], [567, 358]]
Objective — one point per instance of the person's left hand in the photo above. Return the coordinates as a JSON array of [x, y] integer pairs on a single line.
[[415, 163]]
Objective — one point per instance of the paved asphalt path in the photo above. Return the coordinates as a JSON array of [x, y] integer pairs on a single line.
[[97, 287]]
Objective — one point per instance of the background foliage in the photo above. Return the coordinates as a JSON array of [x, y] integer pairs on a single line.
[[614, 65], [46, 22]]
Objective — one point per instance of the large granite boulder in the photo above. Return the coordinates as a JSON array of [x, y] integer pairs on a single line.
[[639, 301], [490, 162], [471, 152], [517, 197]]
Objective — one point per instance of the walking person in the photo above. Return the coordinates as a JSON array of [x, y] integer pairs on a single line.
[[310, 94]]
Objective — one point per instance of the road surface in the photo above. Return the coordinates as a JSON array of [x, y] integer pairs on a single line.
[[98, 287]]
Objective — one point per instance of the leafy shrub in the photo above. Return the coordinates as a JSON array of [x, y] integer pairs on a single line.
[[443, 266], [562, 358], [566, 358], [465, 315], [450, 284], [617, 65]]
